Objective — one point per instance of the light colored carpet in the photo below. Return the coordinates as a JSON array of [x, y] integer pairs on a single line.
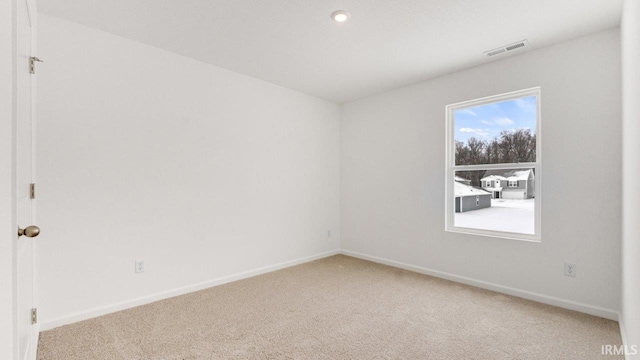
[[336, 308]]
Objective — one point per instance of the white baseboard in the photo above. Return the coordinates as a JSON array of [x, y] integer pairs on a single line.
[[550, 300], [103, 310]]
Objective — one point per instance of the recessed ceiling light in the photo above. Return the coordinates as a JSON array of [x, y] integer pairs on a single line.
[[340, 16]]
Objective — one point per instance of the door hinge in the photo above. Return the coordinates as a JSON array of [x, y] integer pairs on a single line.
[[32, 64], [34, 316], [32, 190]]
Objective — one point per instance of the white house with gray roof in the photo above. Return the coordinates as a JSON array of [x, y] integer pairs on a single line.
[[509, 184]]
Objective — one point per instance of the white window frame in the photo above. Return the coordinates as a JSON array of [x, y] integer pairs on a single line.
[[451, 167], [514, 183]]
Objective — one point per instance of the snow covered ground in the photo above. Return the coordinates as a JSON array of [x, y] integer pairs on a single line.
[[504, 215]]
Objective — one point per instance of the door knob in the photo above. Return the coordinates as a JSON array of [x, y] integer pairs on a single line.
[[29, 231]]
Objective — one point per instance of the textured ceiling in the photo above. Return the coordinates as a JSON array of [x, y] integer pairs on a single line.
[[386, 44]]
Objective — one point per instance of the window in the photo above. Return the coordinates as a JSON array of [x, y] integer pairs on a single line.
[[494, 143]]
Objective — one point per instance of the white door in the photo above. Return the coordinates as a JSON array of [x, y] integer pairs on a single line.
[[518, 195], [24, 177]]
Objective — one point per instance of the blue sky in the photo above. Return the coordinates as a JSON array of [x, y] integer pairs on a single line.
[[487, 121]]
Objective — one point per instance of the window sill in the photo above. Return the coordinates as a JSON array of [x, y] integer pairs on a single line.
[[495, 234]]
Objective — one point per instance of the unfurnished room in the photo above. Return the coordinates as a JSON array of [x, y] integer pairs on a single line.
[[304, 179]]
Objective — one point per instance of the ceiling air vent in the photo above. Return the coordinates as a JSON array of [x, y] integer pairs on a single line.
[[507, 48]]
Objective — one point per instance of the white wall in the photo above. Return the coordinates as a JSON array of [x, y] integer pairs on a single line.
[[631, 171], [144, 154], [393, 178], [7, 178]]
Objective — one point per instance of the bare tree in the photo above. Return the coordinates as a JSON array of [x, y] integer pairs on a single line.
[[493, 152], [524, 145], [476, 151], [510, 147], [462, 153]]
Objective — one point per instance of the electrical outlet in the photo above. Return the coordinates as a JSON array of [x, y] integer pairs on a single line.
[[139, 266], [570, 269]]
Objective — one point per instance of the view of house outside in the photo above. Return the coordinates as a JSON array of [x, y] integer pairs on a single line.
[[506, 200], [497, 133]]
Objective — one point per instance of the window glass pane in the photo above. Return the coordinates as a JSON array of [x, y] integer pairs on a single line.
[[482, 201], [500, 132]]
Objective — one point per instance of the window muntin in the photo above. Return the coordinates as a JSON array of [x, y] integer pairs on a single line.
[[494, 144]]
